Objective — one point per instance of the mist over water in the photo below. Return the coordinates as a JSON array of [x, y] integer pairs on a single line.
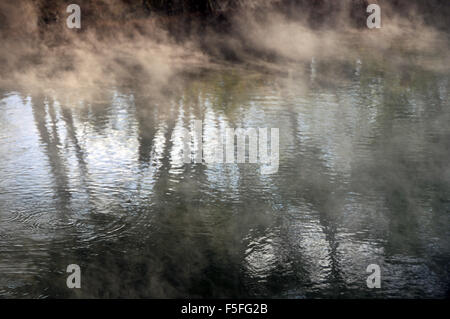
[[89, 140]]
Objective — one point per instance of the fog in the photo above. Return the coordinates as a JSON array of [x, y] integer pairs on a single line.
[[120, 41], [88, 126]]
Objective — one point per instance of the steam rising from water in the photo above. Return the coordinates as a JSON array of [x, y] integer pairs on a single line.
[[119, 44], [348, 156]]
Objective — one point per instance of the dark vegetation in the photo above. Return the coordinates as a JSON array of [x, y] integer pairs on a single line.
[[317, 13], [184, 17], [34, 32]]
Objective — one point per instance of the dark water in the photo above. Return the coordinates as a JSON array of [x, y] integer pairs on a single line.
[[364, 177]]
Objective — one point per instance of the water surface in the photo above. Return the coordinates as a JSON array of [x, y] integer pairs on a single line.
[[363, 178]]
